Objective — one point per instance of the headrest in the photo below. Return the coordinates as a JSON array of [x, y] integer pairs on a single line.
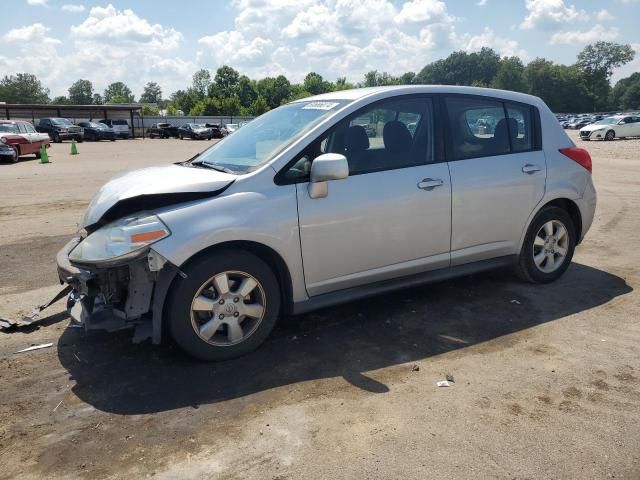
[[396, 137], [356, 139]]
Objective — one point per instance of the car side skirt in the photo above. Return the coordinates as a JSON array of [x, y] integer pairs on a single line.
[[360, 292]]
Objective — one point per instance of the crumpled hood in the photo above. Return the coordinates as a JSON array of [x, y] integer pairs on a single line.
[[154, 187]]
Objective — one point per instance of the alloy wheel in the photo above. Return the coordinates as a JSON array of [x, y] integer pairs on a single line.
[[228, 308], [550, 246]]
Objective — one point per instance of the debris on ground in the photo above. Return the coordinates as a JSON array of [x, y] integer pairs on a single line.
[[415, 368], [443, 383], [32, 318], [35, 347], [449, 378]]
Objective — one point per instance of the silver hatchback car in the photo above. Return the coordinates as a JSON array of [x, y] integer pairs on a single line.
[[325, 200]]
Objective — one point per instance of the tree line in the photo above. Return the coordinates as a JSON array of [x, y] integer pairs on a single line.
[[582, 87]]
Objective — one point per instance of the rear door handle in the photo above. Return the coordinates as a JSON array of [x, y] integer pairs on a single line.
[[529, 169], [430, 183]]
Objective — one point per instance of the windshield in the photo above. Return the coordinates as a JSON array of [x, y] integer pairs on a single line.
[[99, 126], [263, 138], [60, 121], [608, 121], [9, 128]]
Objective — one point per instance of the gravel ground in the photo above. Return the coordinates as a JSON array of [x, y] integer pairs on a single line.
[[547, 378]]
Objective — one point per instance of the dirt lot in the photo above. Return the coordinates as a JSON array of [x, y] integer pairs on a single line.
[[547, 378]]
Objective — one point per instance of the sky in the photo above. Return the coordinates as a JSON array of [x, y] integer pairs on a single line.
[[166, 41]]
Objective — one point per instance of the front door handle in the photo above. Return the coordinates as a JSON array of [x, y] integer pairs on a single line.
[[529, 169], [430, 183]]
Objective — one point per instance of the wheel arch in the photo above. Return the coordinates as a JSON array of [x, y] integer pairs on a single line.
[[265, 253], [567, 205]]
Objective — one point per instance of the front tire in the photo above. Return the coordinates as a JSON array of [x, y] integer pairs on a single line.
[[548, 246], [610, 135], [226, 307]]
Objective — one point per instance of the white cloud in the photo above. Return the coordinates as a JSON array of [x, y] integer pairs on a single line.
[[488, 38], [109, 45], [579, 38], [550, 14], [72, 8], [124, 27], [604, 16], [332, 37], [482, 3], [38, 3]]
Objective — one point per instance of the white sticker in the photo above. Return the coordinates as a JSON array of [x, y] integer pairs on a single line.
[[320, 106]]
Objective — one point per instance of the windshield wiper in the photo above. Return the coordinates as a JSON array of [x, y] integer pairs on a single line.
[[219, 168]]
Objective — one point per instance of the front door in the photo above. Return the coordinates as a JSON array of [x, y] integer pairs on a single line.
[[392, 216]]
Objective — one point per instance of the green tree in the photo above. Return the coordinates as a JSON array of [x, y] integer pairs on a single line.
[[23, 88], [61, 100], [81, 92], [200, 83], [342, 84], [631, 98], [374, 78], [207, 106], [230, 105], [225, 82], [247, 91], [184, 100], [620, 89], [259, 106], [172, 110], [97, 99], [510, 75], [407, 78], [597, 62], [562, 87], [150, 110], [118, 92], [274, 90], [315, 84], [152, 93]]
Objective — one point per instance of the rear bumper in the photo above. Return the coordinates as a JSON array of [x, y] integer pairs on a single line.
[[120, 296]]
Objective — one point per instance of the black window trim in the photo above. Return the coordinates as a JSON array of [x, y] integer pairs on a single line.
[[438, 154], [536, 139]]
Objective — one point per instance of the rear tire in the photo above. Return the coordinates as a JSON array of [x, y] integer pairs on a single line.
[[235, 334], [547, 252]]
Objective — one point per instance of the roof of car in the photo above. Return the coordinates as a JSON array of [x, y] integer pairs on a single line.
[[358, 93], [13, 121]]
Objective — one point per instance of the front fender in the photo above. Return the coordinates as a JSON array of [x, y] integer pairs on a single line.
[[269, 218]]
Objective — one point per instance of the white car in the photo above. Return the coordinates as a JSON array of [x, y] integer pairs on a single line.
[[619, 126]]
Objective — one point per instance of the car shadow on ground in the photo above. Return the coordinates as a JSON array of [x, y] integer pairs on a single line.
[[116, 376]]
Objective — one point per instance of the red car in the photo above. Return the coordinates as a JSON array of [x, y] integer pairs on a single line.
[[22, 138]]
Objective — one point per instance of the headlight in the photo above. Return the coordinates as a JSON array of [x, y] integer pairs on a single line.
[[3, 140], [124, 238]]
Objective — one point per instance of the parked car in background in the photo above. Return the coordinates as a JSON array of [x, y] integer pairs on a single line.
[[217, 130], [60, 129], [162, 130], [194, 131], [121, 127], [18, 138], [96, 131], [583, 122], [620, 126], [285, 215], [231, 127]]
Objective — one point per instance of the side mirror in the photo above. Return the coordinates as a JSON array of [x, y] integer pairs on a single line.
[[326, 167]]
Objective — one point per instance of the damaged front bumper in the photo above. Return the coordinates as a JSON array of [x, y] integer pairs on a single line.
[[125, 294]]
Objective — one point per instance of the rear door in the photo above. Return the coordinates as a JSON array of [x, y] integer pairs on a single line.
[[498, 175]]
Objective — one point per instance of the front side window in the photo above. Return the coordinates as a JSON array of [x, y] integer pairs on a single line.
[[385, 136]]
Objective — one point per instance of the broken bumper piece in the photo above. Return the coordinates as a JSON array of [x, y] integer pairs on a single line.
[[119, 295]]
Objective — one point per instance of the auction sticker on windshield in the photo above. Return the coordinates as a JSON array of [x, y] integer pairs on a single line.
[[320, 106]]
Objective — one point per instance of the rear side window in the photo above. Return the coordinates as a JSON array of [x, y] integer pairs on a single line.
[[477, 128], [480, 127]]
